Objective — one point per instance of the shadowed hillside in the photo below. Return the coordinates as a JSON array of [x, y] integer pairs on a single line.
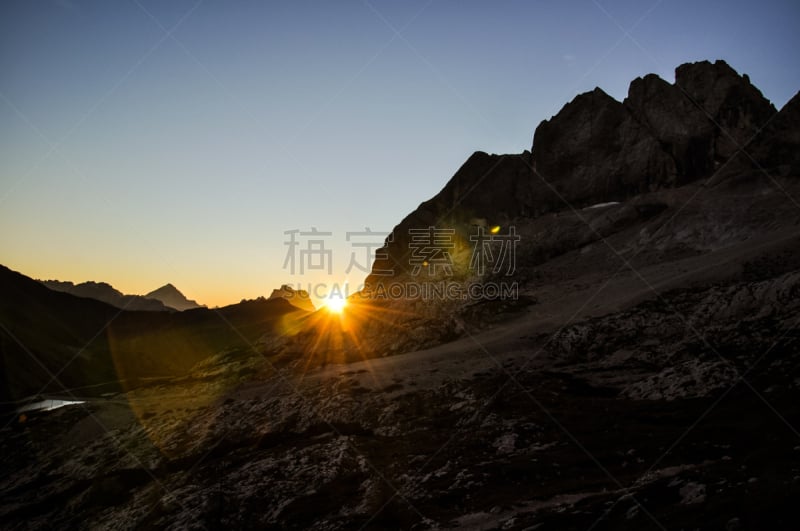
[[52, 340]]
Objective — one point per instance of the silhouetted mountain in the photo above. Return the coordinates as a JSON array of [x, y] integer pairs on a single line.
[[598, 150], [51, 340], [170, 296], [104, 292], [296, 297]]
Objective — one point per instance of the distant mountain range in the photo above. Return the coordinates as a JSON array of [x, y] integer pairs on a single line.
[[166, 298], [51, 339]]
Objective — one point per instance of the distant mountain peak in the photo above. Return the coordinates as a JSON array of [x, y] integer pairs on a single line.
[[172, 297], [166, 288], [295, 297]]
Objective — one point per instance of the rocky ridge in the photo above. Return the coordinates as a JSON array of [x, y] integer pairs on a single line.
[[598, 150]]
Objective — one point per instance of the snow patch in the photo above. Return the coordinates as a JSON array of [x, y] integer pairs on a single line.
[[602, 205]]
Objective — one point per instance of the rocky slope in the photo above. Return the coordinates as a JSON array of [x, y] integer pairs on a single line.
[[645, 375], [626, 421]]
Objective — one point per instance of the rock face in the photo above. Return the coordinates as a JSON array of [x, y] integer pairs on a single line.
[[598, 150], [662, 135], [775, 150], [170, 296], [104, 292], [296, 297], [473, 194], [594, 150]]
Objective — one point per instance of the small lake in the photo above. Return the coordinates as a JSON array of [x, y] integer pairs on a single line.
[[48, 404]]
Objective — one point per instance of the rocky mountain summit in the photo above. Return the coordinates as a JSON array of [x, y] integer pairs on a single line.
[[643, 374], [710, 122]]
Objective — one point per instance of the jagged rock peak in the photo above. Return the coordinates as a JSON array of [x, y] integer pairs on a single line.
[[663, 134], [295, 297], [709, 84]]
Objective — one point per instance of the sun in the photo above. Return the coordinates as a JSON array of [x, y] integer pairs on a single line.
[[335, 303]]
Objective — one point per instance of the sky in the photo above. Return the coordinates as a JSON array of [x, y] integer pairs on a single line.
[[150, 141]]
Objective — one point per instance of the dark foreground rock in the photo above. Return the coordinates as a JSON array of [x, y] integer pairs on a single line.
[[629, 421]]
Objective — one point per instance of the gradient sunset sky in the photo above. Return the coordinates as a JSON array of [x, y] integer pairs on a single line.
[[145, 142]]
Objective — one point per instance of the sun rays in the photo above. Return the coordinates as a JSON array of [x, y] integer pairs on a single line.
[[335, 303], [343, 331]]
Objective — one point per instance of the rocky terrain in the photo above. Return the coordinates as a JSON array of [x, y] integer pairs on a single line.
[[644, 376]]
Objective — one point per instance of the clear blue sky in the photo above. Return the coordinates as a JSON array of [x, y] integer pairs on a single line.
[[137, 156]]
